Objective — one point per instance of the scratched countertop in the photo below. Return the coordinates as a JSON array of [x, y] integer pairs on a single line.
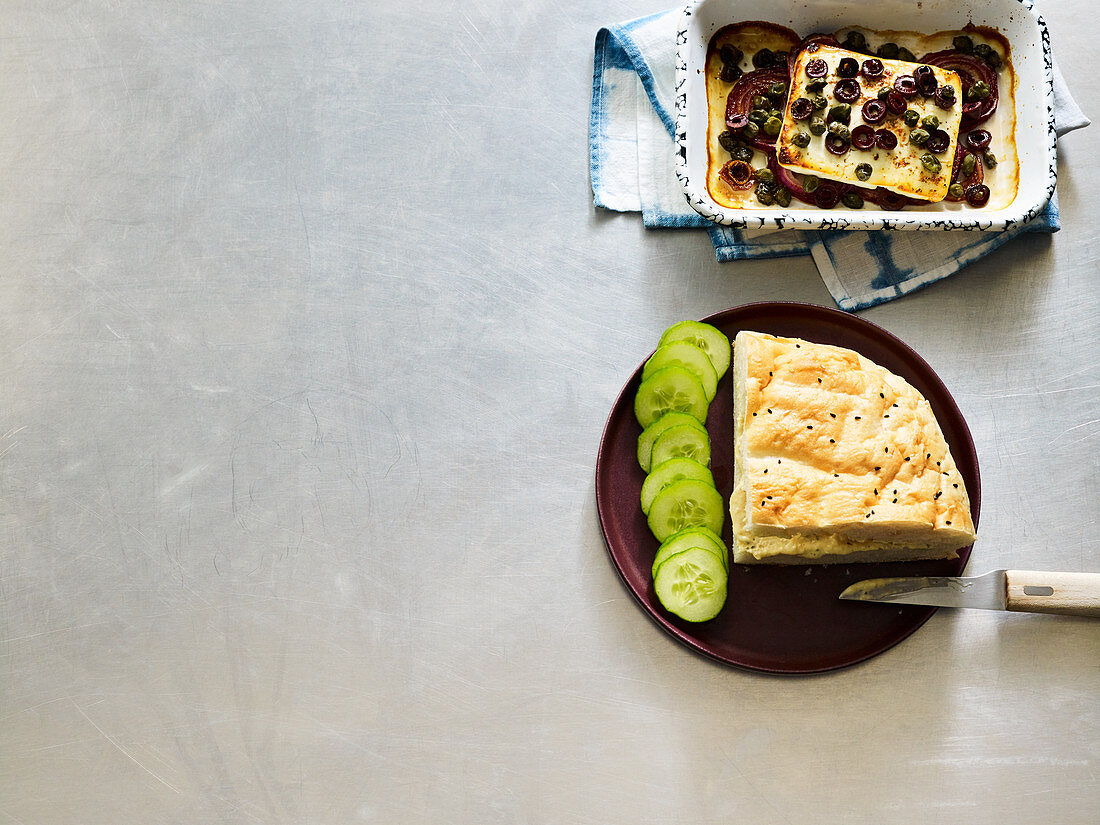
[[308, 333]]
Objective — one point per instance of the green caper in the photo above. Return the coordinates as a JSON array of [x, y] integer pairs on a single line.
[[883, 93], [758, 116], [816, 85], [967, 165], [730, 55], [918, 137], [760, 102], [989, 159], [931, 163], [775, 113], [841, 113], [853, 200], [956, 191], [912, 117], [810, 183], [963, 44], [765, 175], [983, 50], [777, 89], [801, 140], [906, 55], [979, 91], [947, 91], [863, 171], [772, 126], [743, 152], [783, 196], [817, 126], [993, 60], [780, 59], [854, 41], [765, 193], [728, 141], [930, 122], [840, 130], [888, 50], [820, 103], [751, 130]]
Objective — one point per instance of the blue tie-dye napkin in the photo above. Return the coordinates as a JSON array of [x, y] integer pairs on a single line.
[[632, 169]]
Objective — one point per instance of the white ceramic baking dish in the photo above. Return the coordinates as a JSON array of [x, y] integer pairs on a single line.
[[1035, 135]]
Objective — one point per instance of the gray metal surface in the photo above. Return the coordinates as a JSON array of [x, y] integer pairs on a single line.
[[308, 331], [985, 592]]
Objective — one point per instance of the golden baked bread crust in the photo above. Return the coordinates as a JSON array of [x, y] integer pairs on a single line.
[[837, 459]]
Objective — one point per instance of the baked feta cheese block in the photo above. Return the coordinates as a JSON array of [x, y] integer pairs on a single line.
[[837, 460], [871, 122]]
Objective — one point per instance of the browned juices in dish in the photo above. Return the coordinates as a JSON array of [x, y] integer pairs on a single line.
[[980, 162]]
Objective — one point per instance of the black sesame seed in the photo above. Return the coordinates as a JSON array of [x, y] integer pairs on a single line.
[[832, 415], [907, 458], [832, 441], [858, 417], [836, 475], [880, 395], [809, 426], [954, 485], [948, 522], [887, 415], [876, 491], [878, 468]]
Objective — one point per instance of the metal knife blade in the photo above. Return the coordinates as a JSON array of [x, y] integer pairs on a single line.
[[986, 592]]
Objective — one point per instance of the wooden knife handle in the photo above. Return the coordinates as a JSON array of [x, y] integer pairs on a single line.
[[1070, 594]]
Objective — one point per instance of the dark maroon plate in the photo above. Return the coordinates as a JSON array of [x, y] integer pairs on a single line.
[[777, 619]]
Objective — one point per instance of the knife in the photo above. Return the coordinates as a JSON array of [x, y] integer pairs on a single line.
[[1027, 591]]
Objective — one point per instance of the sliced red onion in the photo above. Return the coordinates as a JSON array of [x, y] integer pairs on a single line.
[[886, 139], [975, 177], [977, 139], [905, 85], [872, 67], [739, 100], [977, 195], [863, 137], [970, 70], [874, 110], [847, 90]]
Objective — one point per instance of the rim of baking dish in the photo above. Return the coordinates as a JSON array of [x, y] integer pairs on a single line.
[[700, 200]]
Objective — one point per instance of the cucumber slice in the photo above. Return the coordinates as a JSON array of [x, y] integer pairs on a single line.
[[650, 433], [692, 537], [692, 584], [709, 339], [687, 503], [670, 389], [674, 469], [681, 442], [684, 354]]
